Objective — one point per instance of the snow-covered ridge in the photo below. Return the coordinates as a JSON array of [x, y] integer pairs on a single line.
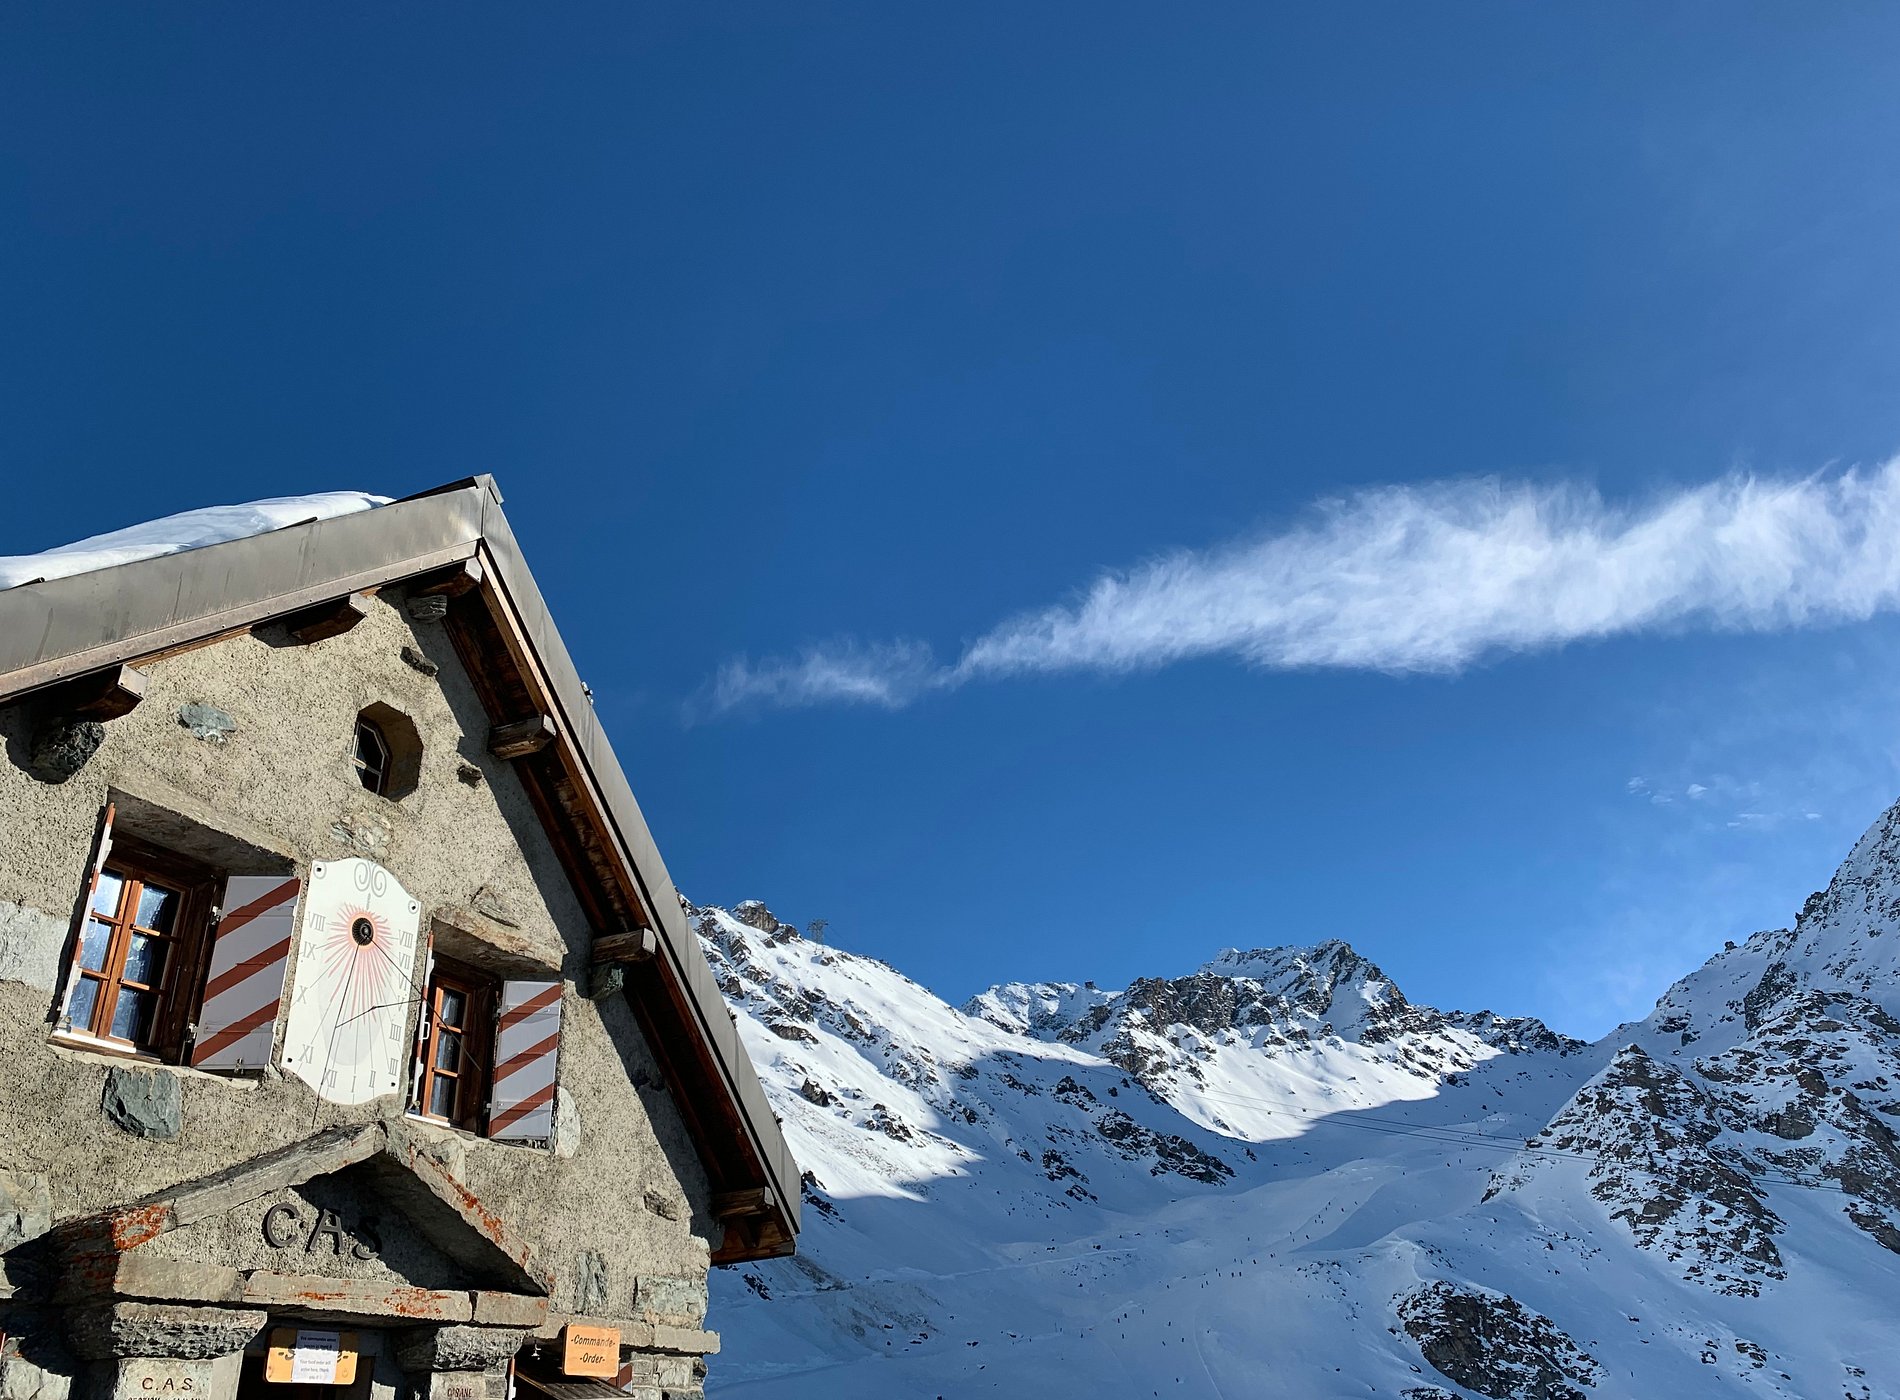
[[192, 529], [1277, 1175]]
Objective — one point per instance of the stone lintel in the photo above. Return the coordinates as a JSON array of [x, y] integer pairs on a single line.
[[690, 1340], [248, 1181], [641, 1336], [493, 1309], [149, 1277], [355, 1298], [409, 1149], [457, 1348], [182, 1333]]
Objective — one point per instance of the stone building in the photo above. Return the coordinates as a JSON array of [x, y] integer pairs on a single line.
[[353, 1042]]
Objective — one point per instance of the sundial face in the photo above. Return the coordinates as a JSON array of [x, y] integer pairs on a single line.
[[356, 957]]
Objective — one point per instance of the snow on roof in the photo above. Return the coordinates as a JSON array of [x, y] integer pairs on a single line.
[[190, 529]]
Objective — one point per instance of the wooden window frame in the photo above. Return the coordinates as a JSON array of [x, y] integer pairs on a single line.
[[373, 777], [188, 947], [480, 994]]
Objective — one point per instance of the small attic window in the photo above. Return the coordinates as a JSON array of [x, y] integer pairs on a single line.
[[388, 752], [372, 756]]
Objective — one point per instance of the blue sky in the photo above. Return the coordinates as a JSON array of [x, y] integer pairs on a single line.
[[863, 334]]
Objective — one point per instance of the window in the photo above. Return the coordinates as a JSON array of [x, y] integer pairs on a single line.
[[137, 961], [148, 973], [387, 754], [372, 756], [454, 1046], [488, 1052]]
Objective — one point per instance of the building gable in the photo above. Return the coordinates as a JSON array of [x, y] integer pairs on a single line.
[[73, 647]]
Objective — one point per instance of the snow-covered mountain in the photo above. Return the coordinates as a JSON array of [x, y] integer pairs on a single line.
[[1278, 1177]]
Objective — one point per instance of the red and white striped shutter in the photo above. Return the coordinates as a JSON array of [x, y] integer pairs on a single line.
[[101, 848], [417, 1061], [527, 1047], [244, 985]]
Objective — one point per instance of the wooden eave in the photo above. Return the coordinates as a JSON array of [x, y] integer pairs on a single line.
[[58, 630]]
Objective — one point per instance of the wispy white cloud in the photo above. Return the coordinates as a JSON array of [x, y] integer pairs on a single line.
[[1424, 578], [890, 674]]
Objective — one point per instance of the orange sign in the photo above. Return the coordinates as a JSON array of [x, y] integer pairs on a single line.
[[591, 1351], [310, 1356]]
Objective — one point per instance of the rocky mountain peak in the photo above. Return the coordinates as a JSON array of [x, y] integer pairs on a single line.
[[1235, 990], [1195, 1175], [1847, 936], [753, 914]]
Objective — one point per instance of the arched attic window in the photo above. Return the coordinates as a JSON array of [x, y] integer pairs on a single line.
[[387, 754]]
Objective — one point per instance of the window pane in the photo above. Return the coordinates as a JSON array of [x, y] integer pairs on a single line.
[[145, 960], [452, 1007], [448, 1051], [372, 756], [105, 898], [132, 1017], [85, 997], [442, 1098], [157, 907], [94, 939]]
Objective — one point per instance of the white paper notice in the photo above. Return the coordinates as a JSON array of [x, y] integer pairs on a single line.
[[313, 1360]]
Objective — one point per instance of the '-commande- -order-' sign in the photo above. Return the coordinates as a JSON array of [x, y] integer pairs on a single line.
[[356, 958]]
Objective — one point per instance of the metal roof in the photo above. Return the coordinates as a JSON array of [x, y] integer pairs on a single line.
[[56, 629]]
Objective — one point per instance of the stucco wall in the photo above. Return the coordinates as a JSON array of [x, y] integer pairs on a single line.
[[282, 781]]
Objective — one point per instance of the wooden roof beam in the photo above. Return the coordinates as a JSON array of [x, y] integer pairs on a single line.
[[451, 582], [635, 945], [519, 738], [102, 695], [326, 620]]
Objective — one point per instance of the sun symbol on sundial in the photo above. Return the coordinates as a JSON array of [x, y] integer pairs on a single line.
[[354, 987]]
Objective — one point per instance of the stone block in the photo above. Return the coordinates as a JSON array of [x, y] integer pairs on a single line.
[[227, 1371], [676, 1372], [63, 747], [148, 1102], [26, 1208], [465, 1385], [686, 1339], [567, 1123], [643, 1369], [207, 722], [154, 1378], [590, 1283], [162, 1329], [662, 1298], [138, 1274], [30, 945], [21, 1379], [509, 1310], [457, 1348], [34, 1361]]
